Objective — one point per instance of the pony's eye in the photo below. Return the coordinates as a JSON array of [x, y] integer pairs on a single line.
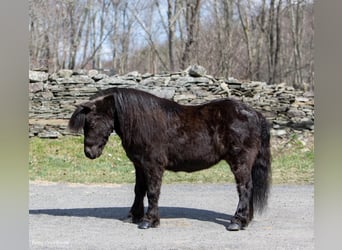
[[90, 124]]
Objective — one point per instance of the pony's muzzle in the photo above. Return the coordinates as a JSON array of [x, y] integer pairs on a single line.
[[91, 154]]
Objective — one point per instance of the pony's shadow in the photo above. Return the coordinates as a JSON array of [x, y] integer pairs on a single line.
[[120, 213]]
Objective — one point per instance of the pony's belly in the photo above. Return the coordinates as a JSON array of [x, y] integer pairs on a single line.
[[191, 165], [192, 158]]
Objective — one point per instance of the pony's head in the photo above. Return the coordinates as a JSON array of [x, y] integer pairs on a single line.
[[96, 119]]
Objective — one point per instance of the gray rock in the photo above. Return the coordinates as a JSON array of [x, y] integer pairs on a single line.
[[183, 80], [114, 80], [146, 75], [65, 73], [225, 88], [49, 134], [36, 87], [278, 132], [167, 93], [92, 73], [232, 80], [80, 72], [53, 77], [302, 99], [154, 81], [99, 77], [295, 113], [38, 76], [47, 95], [196, 70], [134, 74], [76, 79], [183, 97]]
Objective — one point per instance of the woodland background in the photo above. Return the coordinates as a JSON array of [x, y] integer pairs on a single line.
[[258, 40]]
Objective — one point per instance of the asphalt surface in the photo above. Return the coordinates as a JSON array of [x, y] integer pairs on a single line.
[[193, 216]]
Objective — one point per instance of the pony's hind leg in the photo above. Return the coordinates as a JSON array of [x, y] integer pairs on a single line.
[[244, 212], [242, 170]]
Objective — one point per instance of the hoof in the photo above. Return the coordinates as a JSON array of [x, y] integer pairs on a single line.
[[233, 227], [144, 225]]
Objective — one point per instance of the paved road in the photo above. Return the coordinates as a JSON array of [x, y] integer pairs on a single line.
[[66, 216]]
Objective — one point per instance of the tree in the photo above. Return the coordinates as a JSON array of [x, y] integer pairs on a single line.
[[245, 23], [192, 11], [274, 31], [261, 22], [173, 11]]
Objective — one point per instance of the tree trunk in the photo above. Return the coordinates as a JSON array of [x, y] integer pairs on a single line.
[[171, 10], [260, 41], [244, 19], [191, 20], [274, 41]]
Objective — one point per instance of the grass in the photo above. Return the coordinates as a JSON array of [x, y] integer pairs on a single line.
[[293, 161], [63, 160]]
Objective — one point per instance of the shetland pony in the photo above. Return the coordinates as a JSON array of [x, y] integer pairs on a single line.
[[159, 134]]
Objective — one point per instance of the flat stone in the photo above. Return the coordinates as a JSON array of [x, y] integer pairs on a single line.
[[184, 97], [99, 77], [36, 87], [295, 113], [135, 74], [184, 80], [49, 134], [38, 76], [92, 73], [302, 99], [278, 132], [163, 93], [47, 95], [65, 73], [114, 80]]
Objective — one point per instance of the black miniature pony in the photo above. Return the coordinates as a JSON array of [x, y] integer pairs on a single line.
[[159, 134]]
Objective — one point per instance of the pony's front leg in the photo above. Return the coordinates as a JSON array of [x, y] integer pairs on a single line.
[[154, 180], [136, 213]]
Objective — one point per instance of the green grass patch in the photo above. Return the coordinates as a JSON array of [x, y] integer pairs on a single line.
[[293, 162], [63, 160]]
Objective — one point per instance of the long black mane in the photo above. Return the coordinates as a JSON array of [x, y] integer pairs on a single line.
[[141, 115]]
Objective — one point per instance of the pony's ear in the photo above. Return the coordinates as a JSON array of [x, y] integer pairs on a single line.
[[87, 106], [77, 119]]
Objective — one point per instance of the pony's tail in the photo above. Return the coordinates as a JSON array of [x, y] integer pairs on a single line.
[[261, 171]]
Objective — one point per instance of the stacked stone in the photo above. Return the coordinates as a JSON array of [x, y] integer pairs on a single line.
[[53, 96]]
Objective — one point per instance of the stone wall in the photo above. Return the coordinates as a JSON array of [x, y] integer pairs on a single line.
[[53, 96]]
